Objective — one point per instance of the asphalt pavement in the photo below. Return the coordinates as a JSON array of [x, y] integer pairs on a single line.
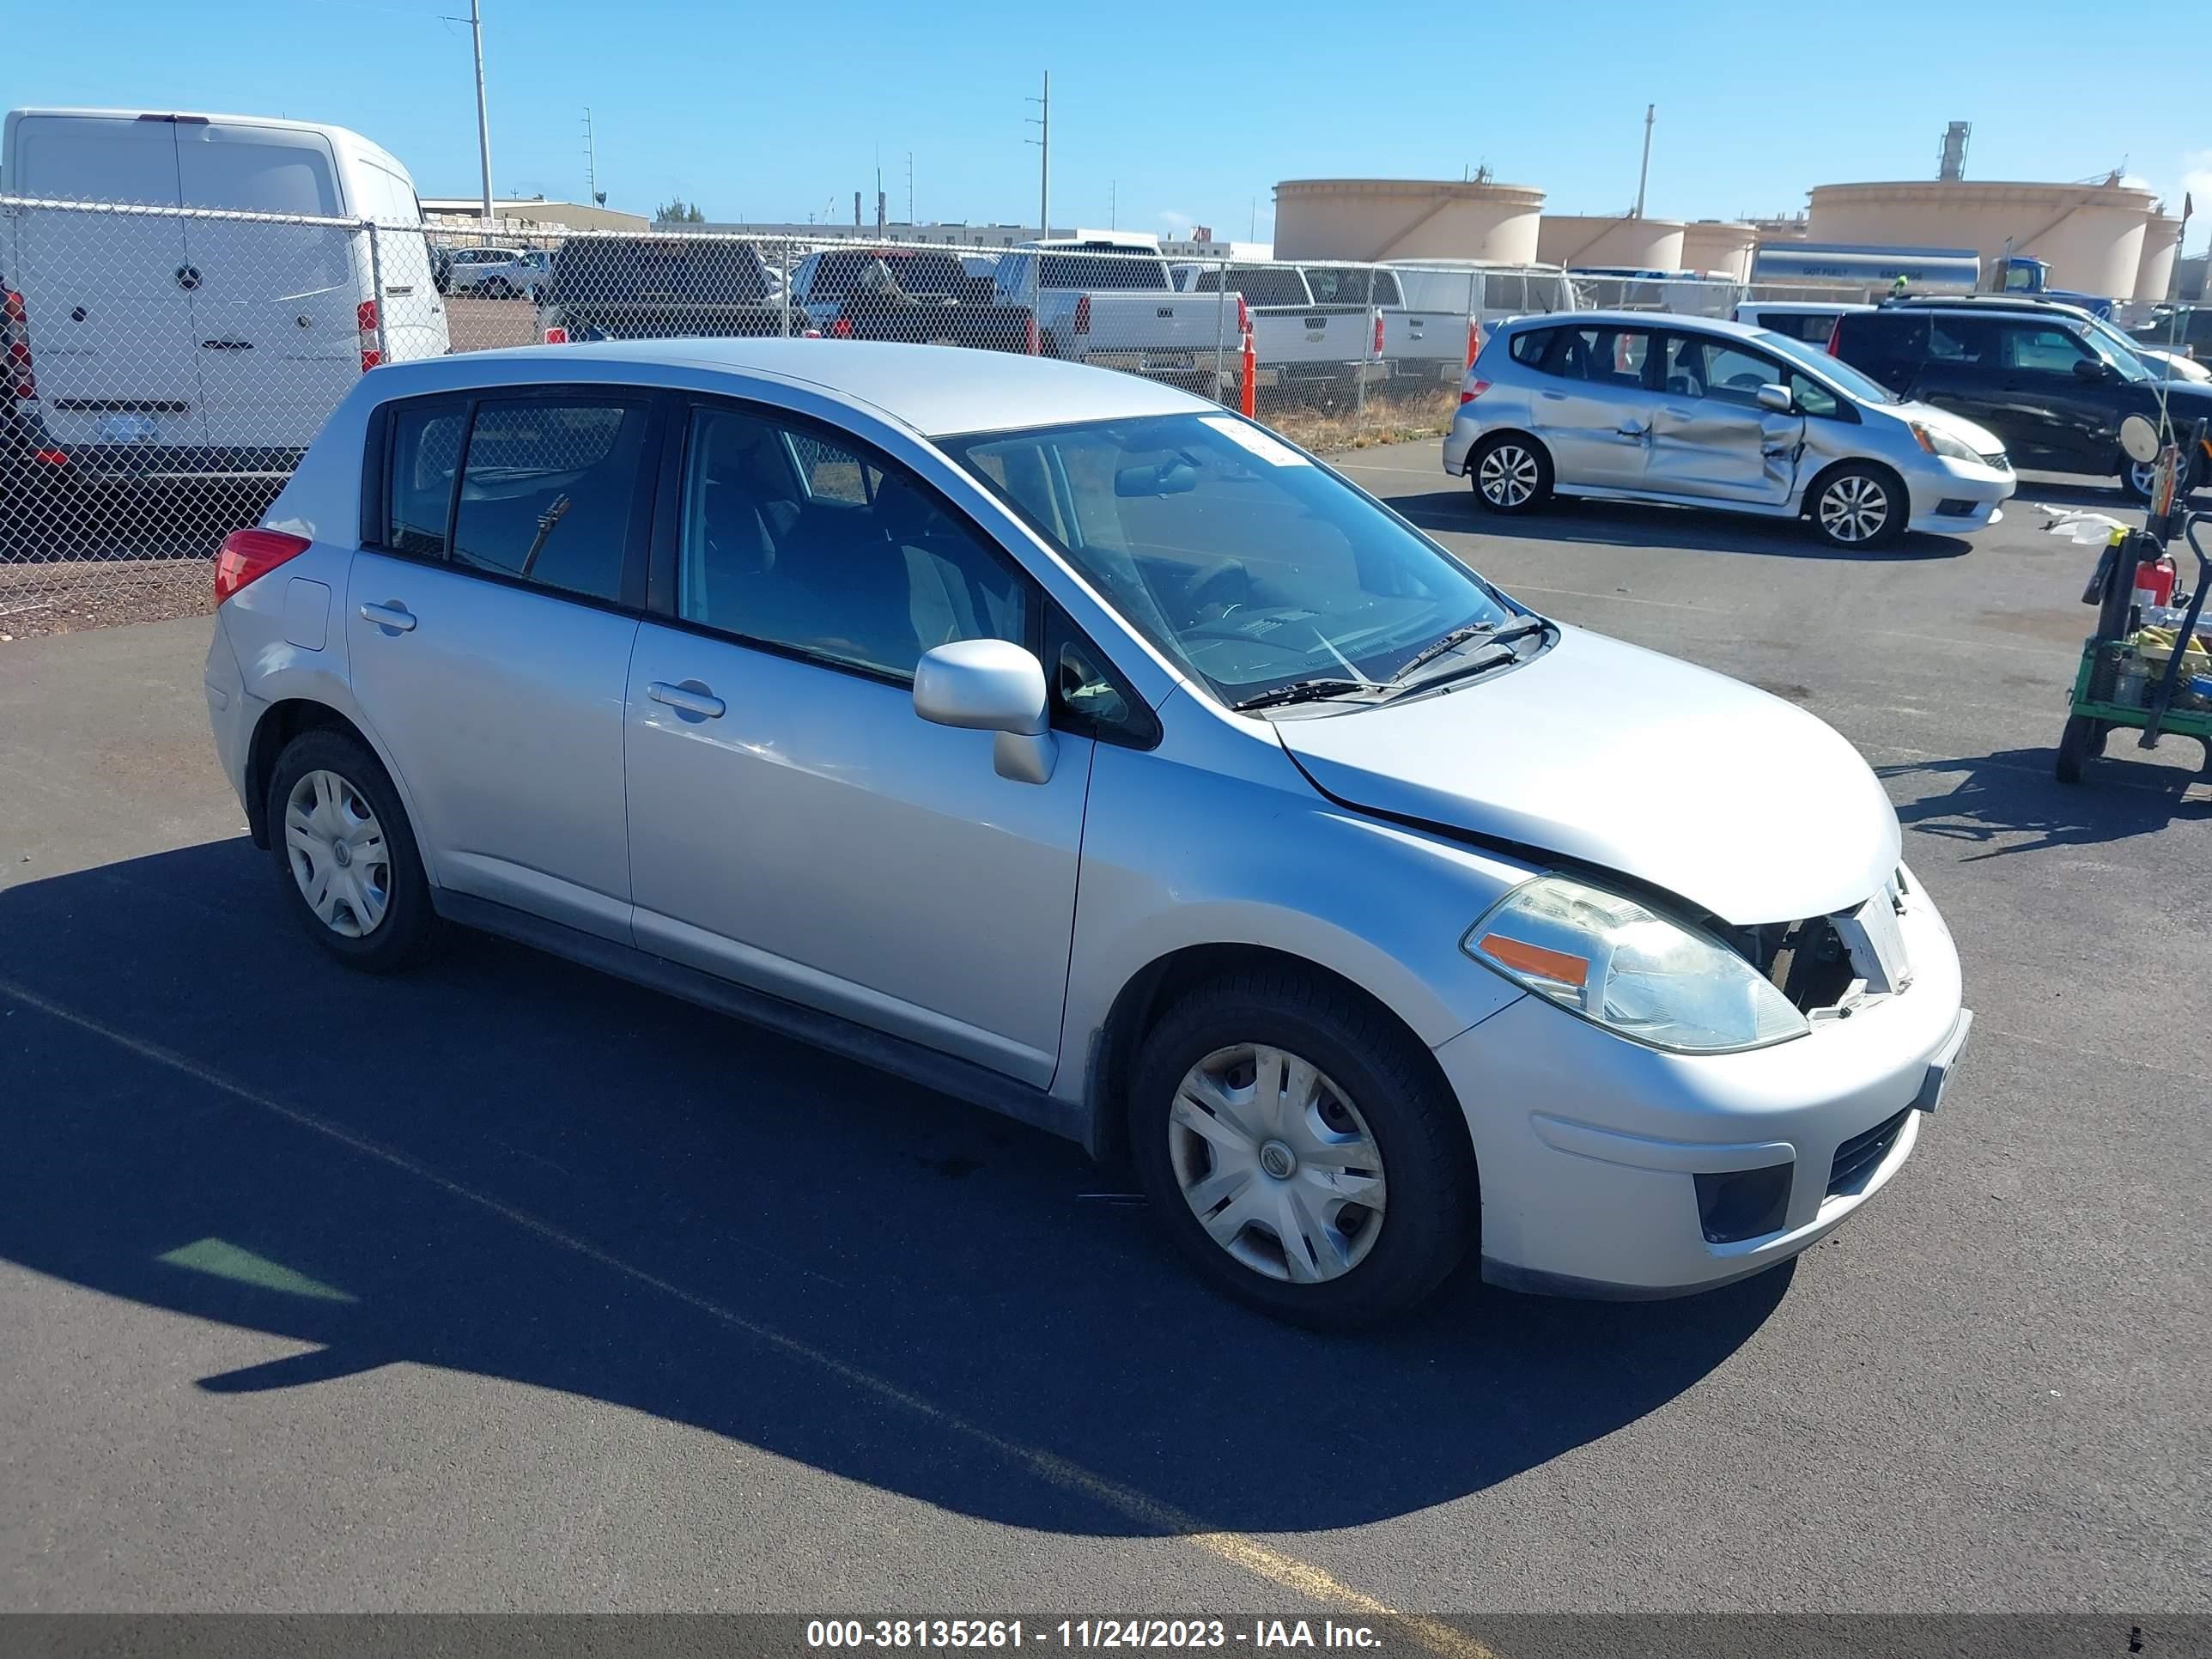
[[507, 1287]]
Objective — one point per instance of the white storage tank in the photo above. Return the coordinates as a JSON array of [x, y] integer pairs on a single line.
[[2154, 271], [1582, 239], [1407, 219], [1719, 246], [2091, 234]]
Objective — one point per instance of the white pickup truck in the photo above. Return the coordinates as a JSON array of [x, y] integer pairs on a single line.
[[1111, 302], [1320, 330]]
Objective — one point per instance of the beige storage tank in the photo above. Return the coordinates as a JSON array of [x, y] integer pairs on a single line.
[[1719, 246], [1578, 238], [2091, 234], [2154, 271], [1407, 219]]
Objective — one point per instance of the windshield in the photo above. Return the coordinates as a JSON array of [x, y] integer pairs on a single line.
[[1834, 370], [2116, 349], [1238, 558]]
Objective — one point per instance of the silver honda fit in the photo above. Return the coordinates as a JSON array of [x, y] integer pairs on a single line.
[[1055, 738], [1639, 406]]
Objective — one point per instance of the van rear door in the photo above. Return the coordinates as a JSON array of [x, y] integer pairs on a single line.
[[275, 322], [107, 295]]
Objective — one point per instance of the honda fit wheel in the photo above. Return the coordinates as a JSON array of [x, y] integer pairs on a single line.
[[345, 855], [1858, 508], [1511, 473], [1300, 1151]]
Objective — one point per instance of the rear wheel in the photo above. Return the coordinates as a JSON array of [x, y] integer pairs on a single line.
[[2137, 480], [345, 855], [1858, 507], [1511, 474], [1299, 1152]]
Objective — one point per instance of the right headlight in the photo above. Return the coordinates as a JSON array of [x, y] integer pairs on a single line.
[[1936, 441], [1615, 963]]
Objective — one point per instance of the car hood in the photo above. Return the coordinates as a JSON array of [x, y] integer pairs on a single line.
[[1980, 439], [1612, 756]]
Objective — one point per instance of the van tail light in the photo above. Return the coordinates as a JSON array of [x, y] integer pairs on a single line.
[[1473, 344], [247, 556], [16, 332], [1835, 337], [1032, 343], [841, 329], [1082, 314], [1473, 390], [1378, 334], [1244, 315], [364, 324], [555, 335]]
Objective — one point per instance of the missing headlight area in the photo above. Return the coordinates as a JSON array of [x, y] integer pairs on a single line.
[[1828, 965]]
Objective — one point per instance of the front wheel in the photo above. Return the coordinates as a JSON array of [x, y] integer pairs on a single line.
[[2082, 740], [1300, 1151], [1858, 508], [1511, 474]]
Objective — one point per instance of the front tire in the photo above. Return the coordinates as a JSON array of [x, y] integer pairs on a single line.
[[345, 855], [1858, 508], [2083, 740], [1300, 1151], [1511, 473]]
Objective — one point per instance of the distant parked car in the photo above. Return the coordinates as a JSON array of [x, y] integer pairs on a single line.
[[1811, 321], [2053, 388], [2163, 364], [500, 273], [657, 287], [1700, 412]]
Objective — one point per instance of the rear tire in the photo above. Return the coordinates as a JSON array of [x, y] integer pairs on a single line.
[[1511, 474], [1858, 507], [345, 854], [1361, 1155]]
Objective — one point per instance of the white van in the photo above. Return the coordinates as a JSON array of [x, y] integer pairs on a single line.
[[169, 345]]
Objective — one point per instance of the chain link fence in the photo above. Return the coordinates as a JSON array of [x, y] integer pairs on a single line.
[[165, 367]]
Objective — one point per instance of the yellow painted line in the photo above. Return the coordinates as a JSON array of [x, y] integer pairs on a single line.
[[1288, 1572]]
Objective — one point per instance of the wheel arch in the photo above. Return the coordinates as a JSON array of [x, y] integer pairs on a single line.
[[281, 722], [1807, 501], [1157, 987]]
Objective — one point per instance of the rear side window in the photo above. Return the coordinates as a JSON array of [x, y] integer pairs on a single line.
[[425, 449], [2041, 350], [546, 491], [1530, 347], [1609, 357]]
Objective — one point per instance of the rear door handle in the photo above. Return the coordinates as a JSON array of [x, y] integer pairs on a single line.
[[689, 698], [393, 616], [1632, 431]]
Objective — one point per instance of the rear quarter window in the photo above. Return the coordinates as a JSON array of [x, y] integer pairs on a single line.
[[1529, 346]]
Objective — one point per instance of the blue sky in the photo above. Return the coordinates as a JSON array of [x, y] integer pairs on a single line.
[[1178, 112]]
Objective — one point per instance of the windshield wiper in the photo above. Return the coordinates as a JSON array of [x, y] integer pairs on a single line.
[[1490, 632], [1302, 691]]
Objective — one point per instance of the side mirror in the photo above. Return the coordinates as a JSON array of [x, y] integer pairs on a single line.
[[1776, 399], [991, 685], [2088, 368]]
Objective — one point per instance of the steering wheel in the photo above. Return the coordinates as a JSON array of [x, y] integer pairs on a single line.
[[1746, 382], [1196, 599]]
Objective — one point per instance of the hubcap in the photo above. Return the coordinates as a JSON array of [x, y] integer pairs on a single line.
[[336, 848], [1508, 476], [1277, 1163], [1854, 508], [2144, 476]]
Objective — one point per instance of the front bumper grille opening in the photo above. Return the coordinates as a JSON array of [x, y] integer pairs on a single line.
[[1743, 1203], [1857, 1159], [1808, 963], [1955, 507]]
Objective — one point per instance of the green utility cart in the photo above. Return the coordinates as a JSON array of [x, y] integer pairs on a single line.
[[2151, 677]]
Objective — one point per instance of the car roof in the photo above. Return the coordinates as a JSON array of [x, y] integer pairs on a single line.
[[1717, 325], [1803, 307], [935, 391]]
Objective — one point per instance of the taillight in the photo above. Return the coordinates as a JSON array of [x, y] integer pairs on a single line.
[[364, 321], [1835, 337], [16, 329], [1082, 314], [1378, 334], [841, 329], [1032, 343], [1473, 390], [247, 556], [1473, 344], [556, 335], [1244, 315]]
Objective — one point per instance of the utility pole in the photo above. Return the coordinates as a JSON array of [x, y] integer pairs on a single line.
[[483, 119], [591, 161], [1043, 121], [909, 188], [1643, 173], [1114, 204]]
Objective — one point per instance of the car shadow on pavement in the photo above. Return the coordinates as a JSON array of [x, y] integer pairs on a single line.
[[2010, 802], [1635, 524], [506, 1166]]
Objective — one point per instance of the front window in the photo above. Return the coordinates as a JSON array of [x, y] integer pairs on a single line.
[[1241, 560]]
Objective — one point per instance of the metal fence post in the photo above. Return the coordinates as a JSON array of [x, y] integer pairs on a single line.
[[1220, 327], [1367, 352], [785, 259], [376, 286]]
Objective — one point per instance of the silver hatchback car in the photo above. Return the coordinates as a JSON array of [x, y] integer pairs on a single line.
[[1055, 738], [1702, 413]]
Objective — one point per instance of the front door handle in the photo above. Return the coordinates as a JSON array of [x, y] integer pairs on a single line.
[[1631, 430], [689, 698], [393, 616]]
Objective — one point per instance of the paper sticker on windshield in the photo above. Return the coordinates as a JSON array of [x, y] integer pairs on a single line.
[[1265, 446]]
